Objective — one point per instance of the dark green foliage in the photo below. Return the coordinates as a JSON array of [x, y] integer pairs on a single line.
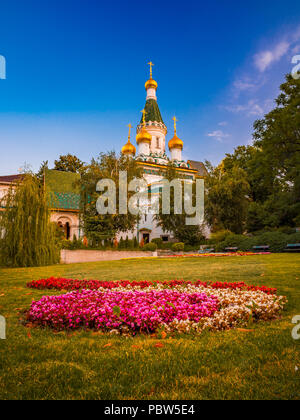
[[272, 164], [105, 227], [29, 238], [74, 244], [294, 238], [150, 247], [158, 242], [178, 247], [69, 163], [227, 199], [40, 174], [276, 240], [219, 236], [176, 223], [127, 243]]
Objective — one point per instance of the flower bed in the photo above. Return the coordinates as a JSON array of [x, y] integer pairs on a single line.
[[70, 284], [173, 306], [137, 310], [227, 254]]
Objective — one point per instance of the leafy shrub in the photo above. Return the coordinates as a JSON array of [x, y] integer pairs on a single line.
[[65, 244], [230, 241], [277, 241], [287, 230], [295, 238], [158, 242], [190, 248], [150, 247], [220, 236], [178, 247]]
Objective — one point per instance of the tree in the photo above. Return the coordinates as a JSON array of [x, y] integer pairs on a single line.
[[278, 137], [176, 223], [227, 198], [28, 237], [99, 227], [41, 173], [260, 173], [69, 163]]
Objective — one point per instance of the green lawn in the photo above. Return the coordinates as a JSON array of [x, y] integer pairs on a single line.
[[259, 364]]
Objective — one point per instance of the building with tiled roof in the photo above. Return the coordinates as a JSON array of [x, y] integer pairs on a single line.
[[64, 198]]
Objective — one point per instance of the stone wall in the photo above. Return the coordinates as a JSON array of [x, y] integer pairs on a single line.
[[82, 256]]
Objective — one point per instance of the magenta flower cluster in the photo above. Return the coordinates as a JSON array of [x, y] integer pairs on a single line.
[[136, 310]]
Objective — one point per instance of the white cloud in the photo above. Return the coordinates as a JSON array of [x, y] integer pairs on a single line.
[[223, 123], [265, 59], [218, 135], [245, 84], [296, 49], [252, 108]]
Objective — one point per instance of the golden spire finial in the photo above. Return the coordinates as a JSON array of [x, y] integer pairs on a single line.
[[130, 127], [144, 117], [151, 65], [175, 124]]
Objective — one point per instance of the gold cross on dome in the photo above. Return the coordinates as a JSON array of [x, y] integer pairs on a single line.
[[151, 65], [144, 116], [130, 127], [175, 123]]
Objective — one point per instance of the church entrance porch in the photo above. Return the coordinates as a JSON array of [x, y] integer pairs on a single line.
[[146, 238], [65, 229], [68, 223]]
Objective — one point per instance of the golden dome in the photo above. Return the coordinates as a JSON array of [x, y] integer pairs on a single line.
[[129, 149], [143, 136], [151, 83], [175, 143]]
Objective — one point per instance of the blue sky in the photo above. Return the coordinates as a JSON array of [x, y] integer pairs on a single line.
[[76, 72]]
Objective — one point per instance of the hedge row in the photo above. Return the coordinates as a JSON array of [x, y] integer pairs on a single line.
[[277, 241]]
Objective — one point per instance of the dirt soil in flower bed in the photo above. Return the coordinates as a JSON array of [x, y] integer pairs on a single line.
[[260, 361]]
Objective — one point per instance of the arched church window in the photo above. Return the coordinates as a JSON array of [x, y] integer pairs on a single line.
[[157, 143]]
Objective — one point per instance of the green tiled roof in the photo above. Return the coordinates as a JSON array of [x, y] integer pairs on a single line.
[[66, 201], [152, 112], [63, 188]]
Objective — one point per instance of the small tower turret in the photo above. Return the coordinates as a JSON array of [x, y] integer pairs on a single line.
[[175, 144], [129, 149], [143, 138], [153, 120]]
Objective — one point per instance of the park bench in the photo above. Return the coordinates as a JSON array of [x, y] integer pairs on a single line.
[[292, 248], [231, 249], [206, 251], [261, 248]]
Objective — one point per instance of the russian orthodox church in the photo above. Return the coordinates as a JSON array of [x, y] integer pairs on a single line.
[[152, 155]]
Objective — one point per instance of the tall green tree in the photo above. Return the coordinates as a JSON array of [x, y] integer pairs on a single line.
[[260, 173], [99, 227], [28, 237], [176, 223], [41, 173], [227, 198], [69, 163], [278, 137]]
